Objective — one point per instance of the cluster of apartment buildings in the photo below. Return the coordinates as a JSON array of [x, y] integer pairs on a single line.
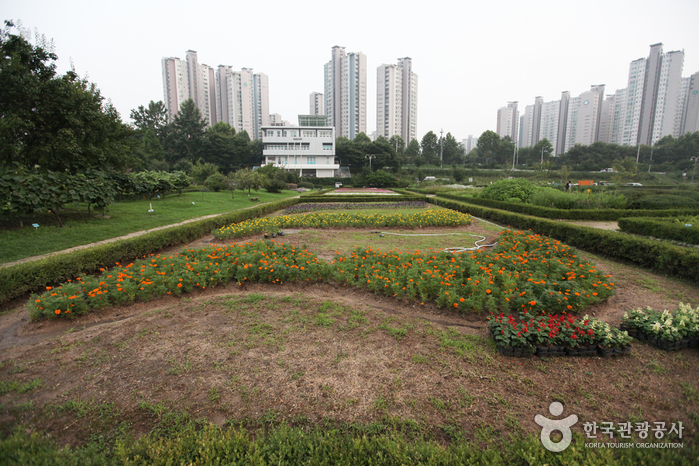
[[241, 99], [657, 102]]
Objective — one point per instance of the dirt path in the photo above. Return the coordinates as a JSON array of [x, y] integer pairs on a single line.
[[600, 225]]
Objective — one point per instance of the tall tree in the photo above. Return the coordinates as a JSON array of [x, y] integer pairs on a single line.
[[412, 151], [153, 118], [488, 146], [453, 151], [54, 122], [220, 146], [186, 137], [430, 148]]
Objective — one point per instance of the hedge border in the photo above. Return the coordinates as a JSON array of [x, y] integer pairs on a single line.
[[359, 198], [17, 280], [570, 214], [656, 256], [664, 229]]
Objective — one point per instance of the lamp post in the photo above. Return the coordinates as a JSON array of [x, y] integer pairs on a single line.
[[650, 162], [514, 154], [695, 158], [370, 156]]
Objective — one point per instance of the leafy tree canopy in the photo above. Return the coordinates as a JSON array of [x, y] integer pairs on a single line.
[[54, 122]]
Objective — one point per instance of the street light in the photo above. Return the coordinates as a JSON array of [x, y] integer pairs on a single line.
[[370, 156], [650, 162], [695, 167]]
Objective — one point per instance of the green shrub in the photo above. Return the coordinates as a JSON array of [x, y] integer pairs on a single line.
[[571, 214], [274, 186], [670, 229], [305, 184], [550, 197], [517, 190], [216, 182], [665, 201]]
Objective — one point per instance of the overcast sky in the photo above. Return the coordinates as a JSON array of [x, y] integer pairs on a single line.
[[471, 57]]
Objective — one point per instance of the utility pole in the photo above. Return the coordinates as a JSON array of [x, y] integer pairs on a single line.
[[441, 146]]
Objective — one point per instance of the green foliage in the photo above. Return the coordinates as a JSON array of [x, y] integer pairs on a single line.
[[185, 139], [359, 444], [666, 228], [216, 182], [23, 191], [666, 201], [152, 183], [550, 197], [275, 185], [305, 184], [380, 179], [571, 214], [516, 190], [202, 171], [55, 122]]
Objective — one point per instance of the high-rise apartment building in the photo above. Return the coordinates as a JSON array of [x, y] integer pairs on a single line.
[[548, 127], [690, 123], [175, 84], [508, 121], [243, 100], [345, 92], [526, 123], [316, 104], [396, 100]]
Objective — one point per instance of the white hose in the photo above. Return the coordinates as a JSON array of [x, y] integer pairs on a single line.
[[455, 249]]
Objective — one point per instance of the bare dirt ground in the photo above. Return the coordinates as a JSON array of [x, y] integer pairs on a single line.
[[306, 353]]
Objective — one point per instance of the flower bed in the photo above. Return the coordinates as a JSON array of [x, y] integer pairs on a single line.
[[354, 206], [425, 218], [557, 335], [666, 330], [524, 272], [158, 275]]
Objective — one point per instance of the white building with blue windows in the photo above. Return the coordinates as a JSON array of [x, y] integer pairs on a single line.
[[308, 150]]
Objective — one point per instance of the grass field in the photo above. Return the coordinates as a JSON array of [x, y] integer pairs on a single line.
[[123, 218]]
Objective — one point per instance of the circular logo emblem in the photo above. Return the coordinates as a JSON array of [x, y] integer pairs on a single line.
[[586, 102], [245, 84], [695, 92]]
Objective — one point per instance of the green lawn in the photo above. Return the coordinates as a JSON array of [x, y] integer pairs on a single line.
[[124, 218]]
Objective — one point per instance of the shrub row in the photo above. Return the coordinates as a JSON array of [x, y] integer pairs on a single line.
[[661, 228], [570, 214], [31, 276], [653, 255]]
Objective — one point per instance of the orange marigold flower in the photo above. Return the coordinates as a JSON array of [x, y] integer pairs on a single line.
[[488, 291], [179, 285], [57, 311]]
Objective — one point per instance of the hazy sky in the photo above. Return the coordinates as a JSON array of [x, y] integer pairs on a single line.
[[471, 57]]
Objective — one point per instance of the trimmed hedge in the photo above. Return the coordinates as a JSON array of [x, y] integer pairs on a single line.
[[570, 214], [665, 229], [653, 255], [27, 277]]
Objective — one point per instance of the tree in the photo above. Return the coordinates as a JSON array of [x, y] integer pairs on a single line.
[[453, 151], [220, 148], [543, 147], [412, 151], [186, 138], [398, 144], [153, 118], [54, 122], [430, 148], [247, 179], [488, 146]]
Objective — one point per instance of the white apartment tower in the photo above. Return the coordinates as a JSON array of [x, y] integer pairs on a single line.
[[548, 128], [396, 100], [560, 146], [316, 104], [243, 100], [508, 121], [345, 92], [201, 87], [690, 122], [175, 84]]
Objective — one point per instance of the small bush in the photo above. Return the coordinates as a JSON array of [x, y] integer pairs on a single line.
[[665, 201], [305, 184], [216, 182], [550, 197], [518, 190], [275, 186]]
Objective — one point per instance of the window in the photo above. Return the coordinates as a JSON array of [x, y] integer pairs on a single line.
[[311, 160], [327, 146]]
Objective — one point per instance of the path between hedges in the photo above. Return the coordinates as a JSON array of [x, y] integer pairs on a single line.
[[119, 238]]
